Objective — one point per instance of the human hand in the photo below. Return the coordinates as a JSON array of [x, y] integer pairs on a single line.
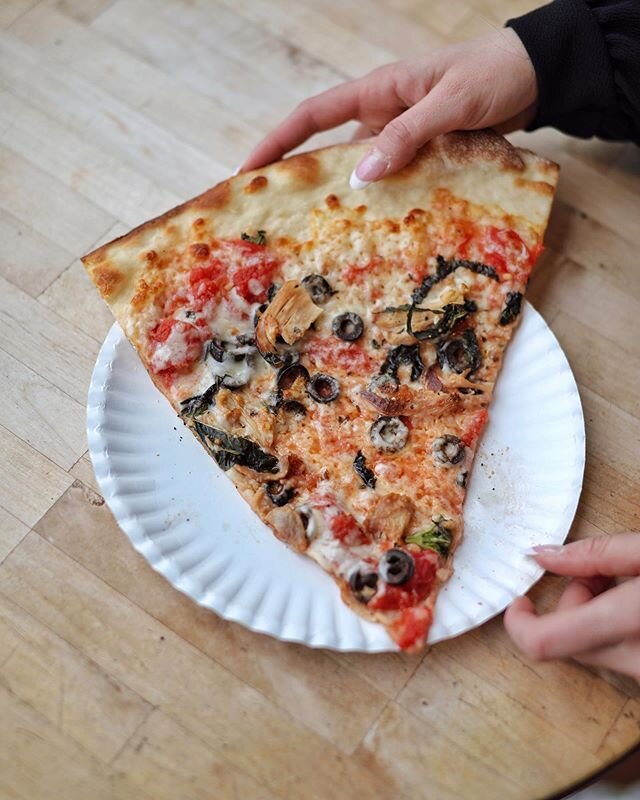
[[597, 620], [485, 82]]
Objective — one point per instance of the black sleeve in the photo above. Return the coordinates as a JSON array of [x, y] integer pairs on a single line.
[[586, 54]]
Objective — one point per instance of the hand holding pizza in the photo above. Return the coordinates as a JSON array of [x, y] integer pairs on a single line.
[[597, 620], [485, 82]]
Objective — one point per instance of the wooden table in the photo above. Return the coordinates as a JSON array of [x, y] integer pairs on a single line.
[[112, 684]]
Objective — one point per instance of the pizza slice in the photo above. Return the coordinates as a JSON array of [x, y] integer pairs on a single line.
[[336, 351]]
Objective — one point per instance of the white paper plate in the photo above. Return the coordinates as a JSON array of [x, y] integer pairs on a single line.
[[184, 515]]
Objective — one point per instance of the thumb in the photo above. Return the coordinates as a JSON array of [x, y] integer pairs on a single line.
[[400, 139], [617, 555]]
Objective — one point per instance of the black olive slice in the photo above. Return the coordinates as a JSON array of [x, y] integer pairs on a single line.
[[272, 291], [293, 407], [389, 434], [278, 493], [347, 326], [274, 401], [461, 480], [319, 289], [396, 567], [362, 470], [363, 585], [288, 375], [447, 450], [408, 354], [460, 354], [323, 388], [216, 349]]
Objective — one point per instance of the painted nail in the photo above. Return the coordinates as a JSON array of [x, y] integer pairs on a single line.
[[541, 549], [372, 167]]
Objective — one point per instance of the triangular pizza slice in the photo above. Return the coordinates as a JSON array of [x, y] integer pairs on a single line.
[[335, 351]]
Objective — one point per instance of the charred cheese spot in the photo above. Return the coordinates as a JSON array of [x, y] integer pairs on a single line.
[[392, 226], [151, 255], [361, 209], [142, 294], [414, 216], [332, 201], [257, 183], [303, 168], [107, 279], [198, 223], [199, 250]]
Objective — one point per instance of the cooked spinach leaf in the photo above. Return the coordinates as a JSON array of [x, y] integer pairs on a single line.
[[232, 451], [259, 237]]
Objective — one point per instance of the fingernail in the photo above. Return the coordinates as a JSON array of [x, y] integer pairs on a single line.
[[372, 167], [539, 549], [236, 171]]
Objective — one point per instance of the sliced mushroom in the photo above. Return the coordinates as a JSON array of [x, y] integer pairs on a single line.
[[392, 323], [391, 517], [258, 422], [288, 526], [289, 315]]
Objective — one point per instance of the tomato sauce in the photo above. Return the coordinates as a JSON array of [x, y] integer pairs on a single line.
[[207, 282], [475, 428], [345, 529], [191, 339], [253, 277], [412, 592], [330, 353], [412, 627]]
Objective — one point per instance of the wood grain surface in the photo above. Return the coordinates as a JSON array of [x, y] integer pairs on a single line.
[[114, 685]]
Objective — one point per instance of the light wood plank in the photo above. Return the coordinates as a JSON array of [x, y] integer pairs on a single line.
[[590, 354], [202, 121], [613, 434], [41, 414], [11, 10], [314, 33], [105, 121], [57, 150], [314, 688], [74, 298], [12, 531], [168, 761], [625, 728], [47, 205], [545, 691], [165, 670], [604, 255], [84, 10], [27, 259], [454, 701], [82, 470], [200, 64], [45, 343], [37, 762], [98, 712], [30, 482], [592, 301]]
